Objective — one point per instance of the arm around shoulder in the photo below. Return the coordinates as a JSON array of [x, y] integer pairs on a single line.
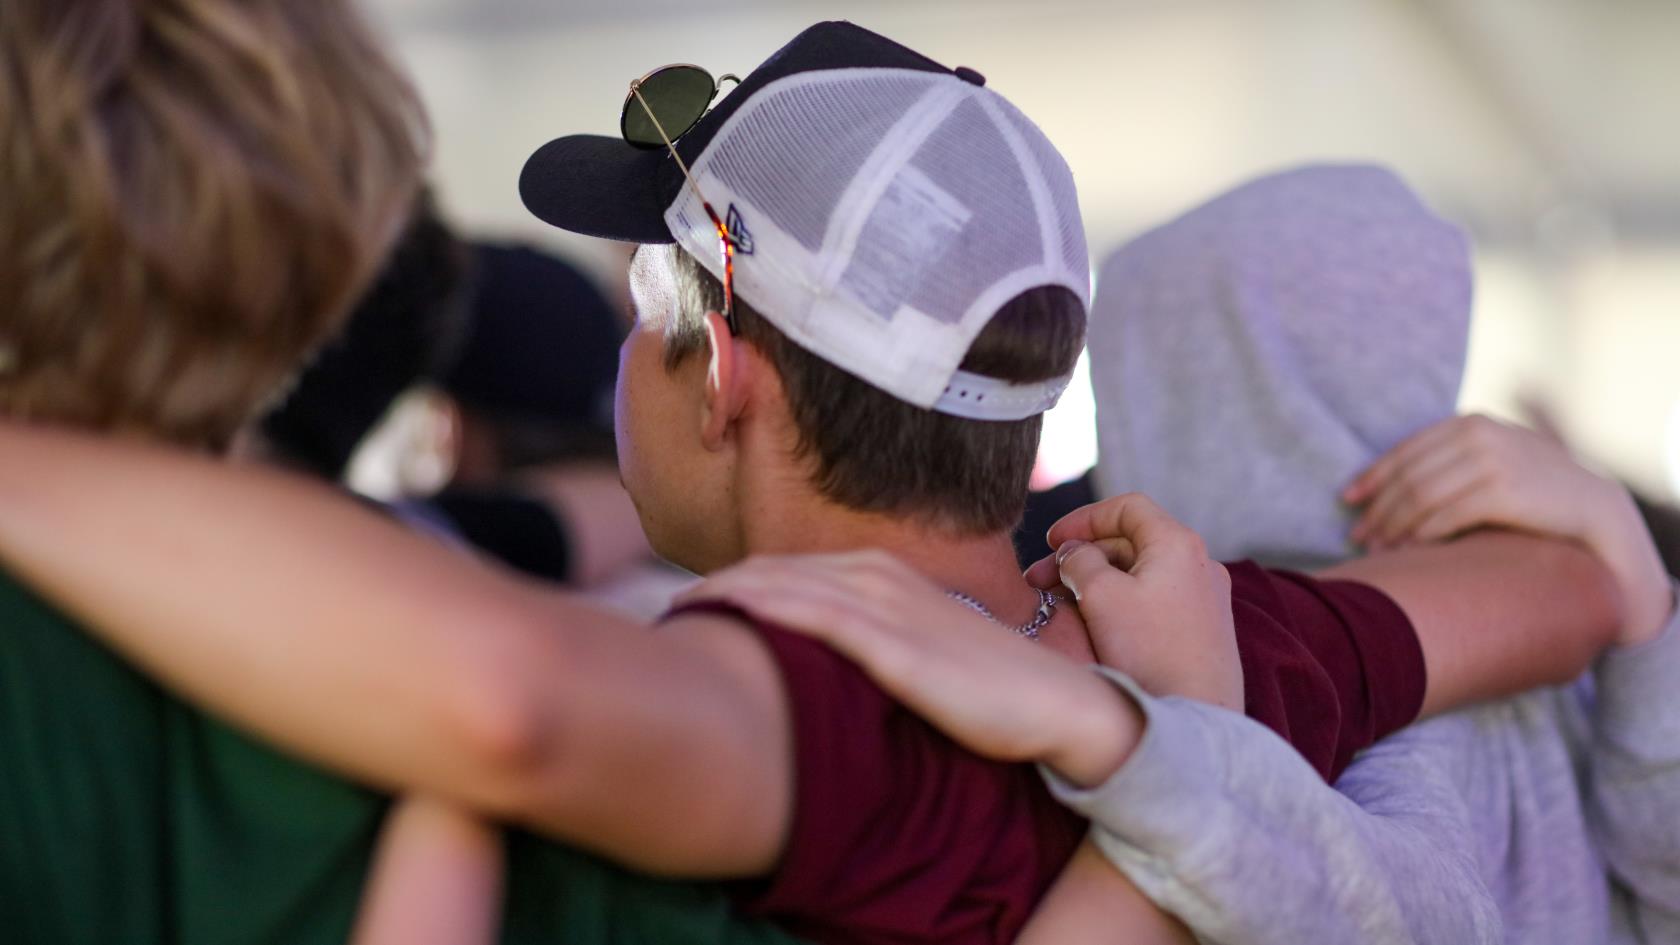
[[670, 751], [294, 612]]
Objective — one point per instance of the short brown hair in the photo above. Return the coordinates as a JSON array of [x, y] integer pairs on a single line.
[[192, 192], [876, 453]]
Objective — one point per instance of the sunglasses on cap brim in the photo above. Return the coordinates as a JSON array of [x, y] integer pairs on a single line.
[[663, 106]]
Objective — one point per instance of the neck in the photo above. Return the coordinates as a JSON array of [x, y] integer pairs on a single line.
[[779, 512], [983, 567]]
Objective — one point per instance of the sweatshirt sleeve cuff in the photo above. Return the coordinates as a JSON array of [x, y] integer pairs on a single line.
[[1636, 690], [1144, 802]]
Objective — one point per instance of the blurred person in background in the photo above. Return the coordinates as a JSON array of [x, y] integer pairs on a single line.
[[533, 378], [484, 375], [404, 329], [528, 401]]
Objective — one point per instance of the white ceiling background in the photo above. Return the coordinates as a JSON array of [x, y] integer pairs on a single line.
[[1548, 127]]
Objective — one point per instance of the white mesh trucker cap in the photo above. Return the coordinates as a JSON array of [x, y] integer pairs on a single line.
[[883, 208]]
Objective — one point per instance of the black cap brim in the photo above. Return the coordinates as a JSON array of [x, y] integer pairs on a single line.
[[599, 186], [606, 187]]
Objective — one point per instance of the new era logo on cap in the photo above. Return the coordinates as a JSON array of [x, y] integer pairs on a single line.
[[739, 235]]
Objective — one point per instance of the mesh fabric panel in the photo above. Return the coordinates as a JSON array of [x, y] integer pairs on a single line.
[[885, 216]]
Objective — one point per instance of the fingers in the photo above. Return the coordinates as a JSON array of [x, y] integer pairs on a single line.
[[1043, 573], [1368, 483], [722, 583], [1389, 485], [1102, 568], [1472, 508], [1133, 517], [781, 595], [1086, 571], [856, 602], [1120, 552], [811, 596], [858, 569], [865, 628], [1437, 479]]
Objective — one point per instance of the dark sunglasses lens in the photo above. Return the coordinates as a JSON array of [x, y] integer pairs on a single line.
[[677, 95]]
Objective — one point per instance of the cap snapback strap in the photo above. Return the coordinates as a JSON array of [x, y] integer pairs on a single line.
[[977, 397]]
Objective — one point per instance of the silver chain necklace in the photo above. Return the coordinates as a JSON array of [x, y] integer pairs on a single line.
[[1046, 609]]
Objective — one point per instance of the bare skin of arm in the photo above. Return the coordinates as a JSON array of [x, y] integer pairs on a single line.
[[1496, 612], [436, 879], [455, 680], [1094, 903], [1471, 473]]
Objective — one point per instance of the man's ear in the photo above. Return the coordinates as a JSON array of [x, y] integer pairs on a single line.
[[727, 376]]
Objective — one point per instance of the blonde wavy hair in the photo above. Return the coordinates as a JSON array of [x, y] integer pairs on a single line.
[[192, 193]]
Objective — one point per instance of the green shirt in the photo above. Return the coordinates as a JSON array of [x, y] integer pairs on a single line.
[[126, 816]]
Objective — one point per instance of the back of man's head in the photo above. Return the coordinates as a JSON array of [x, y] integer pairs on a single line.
[[1253, 355], [193, 193], [908, 257], [874, 452]]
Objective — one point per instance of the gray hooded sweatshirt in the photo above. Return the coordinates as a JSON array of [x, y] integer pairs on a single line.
[[1249, 358]]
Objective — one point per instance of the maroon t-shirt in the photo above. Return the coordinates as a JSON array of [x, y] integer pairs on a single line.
[[1331, 666], [901, 836]]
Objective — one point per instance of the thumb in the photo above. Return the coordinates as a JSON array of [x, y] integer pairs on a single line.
[[1084, 568]]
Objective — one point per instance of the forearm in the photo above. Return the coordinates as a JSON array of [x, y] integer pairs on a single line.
[[334, 633], [362, 646], [1226, 827], [1092, 903], [1496, 612], [1096, 735], [436, 879], [282, 606]]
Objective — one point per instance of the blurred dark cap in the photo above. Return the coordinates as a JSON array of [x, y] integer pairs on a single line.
[[402, 331], [541, 347]]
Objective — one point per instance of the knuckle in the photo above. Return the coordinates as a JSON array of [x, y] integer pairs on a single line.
[[1106, 581], [1085, 551], [1409, 492], [1222, 577]]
